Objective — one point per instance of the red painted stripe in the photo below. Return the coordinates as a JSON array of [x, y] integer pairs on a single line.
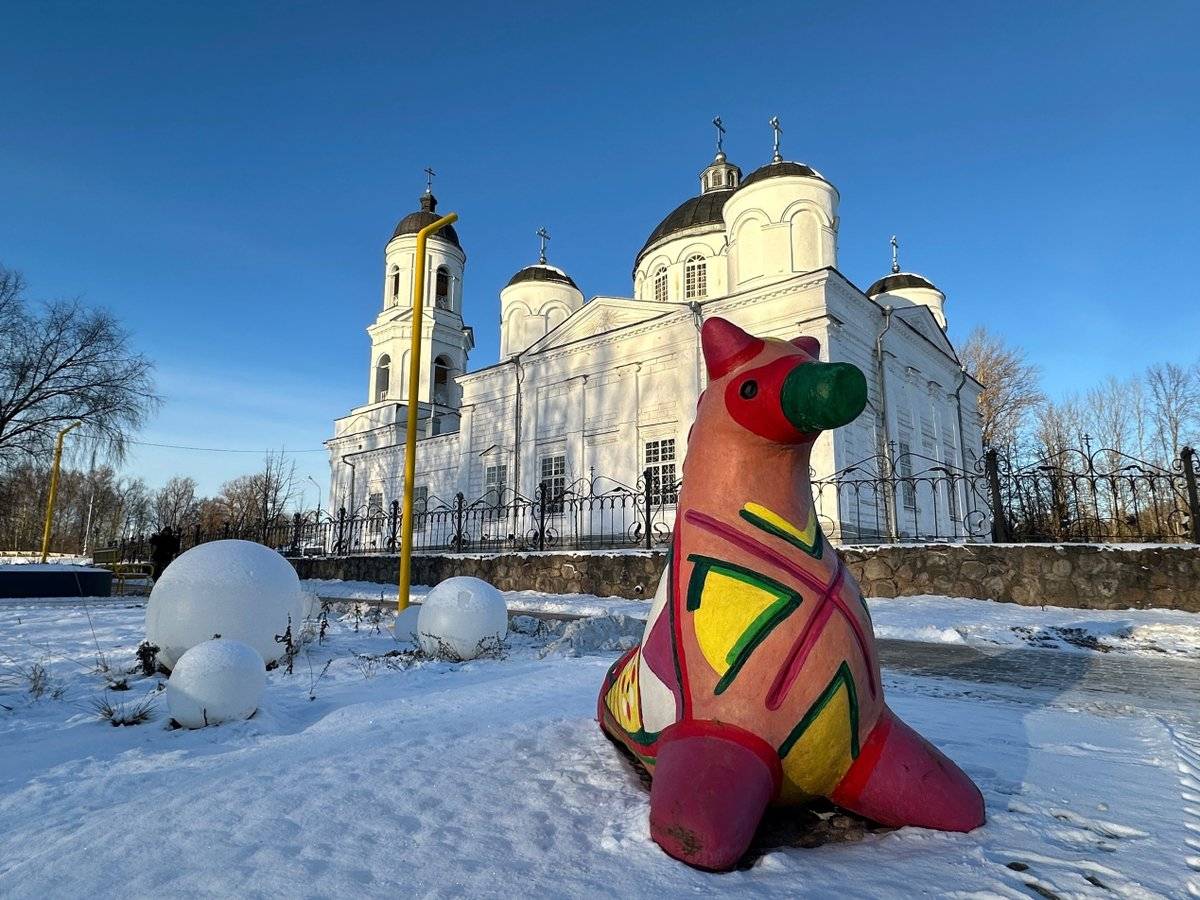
[[856, 778], [799, 654], [685, 689], [763, 552]]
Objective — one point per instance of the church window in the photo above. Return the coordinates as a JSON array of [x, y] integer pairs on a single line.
[[494, 484], [395, 283], [729, 178], [441, 291], [383, 374], [660, 284], [904, 471], [660, 469], [554, 482], [375, 512], [420, 506], [695, 278], [441, 381]]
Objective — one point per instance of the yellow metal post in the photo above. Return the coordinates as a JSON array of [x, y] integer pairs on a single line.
[[414, 384], [58, 444]]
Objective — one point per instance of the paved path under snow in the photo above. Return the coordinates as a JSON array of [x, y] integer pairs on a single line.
[[1167, 685]]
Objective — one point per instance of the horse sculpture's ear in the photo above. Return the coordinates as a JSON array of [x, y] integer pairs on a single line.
[[809, 345], [726, 346]]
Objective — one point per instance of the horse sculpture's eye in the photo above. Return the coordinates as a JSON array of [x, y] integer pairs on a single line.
[[749, 389]]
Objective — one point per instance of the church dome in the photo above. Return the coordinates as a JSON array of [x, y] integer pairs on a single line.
[[542, 272], [899, 281], [694, 213], [780, 169], [426, 215]]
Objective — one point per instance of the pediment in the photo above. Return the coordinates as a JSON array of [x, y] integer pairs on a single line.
[[921, 320], [600, 316]]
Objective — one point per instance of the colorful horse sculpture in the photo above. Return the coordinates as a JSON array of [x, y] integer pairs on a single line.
[[757, 679]]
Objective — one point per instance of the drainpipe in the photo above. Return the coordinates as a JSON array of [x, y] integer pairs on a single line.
[[962, 449], [698, 321], [352, 476], [890, 494], [520, 377]]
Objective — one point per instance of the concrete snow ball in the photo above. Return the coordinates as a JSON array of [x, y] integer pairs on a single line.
[[216, 681], [465, 614], [237, 589]]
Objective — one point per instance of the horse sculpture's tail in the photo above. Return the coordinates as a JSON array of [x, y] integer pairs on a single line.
[[757, 680]]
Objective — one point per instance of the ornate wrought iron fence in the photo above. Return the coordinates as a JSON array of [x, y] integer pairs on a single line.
[[1074, 495]]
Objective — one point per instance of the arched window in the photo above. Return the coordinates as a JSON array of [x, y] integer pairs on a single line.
[[695, 278], [660, 284], [441, 288], [395, 283], [441, 381], [729, 178], [383, 376]]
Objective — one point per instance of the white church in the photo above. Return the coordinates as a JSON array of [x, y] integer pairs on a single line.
[[588, 394]]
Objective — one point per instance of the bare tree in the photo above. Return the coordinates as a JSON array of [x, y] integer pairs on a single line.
[[61, 362], [1011, 388], [1174, 406], [175, 503], [261, 497]]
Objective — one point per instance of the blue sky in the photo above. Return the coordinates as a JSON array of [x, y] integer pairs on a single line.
[[225, 176]]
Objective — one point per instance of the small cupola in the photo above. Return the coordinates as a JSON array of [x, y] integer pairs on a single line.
[[720, 174], [908, 288]]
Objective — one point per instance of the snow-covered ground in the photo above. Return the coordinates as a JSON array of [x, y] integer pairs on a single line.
[[958, 620], [491, 779]]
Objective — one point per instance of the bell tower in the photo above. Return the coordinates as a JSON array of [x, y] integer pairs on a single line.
[[445, 340]]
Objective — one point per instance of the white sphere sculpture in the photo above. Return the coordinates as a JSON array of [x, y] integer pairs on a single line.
[[238, 589], [216, 681], [465, 614]]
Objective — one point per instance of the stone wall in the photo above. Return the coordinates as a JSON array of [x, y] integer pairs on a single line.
[[1084, 576]]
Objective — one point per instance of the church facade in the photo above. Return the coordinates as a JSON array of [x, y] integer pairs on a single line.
[[588, 395]]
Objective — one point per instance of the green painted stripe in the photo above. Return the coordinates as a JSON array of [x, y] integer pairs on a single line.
[[750, 640], [842, 676], [786, 603], [814, 550]]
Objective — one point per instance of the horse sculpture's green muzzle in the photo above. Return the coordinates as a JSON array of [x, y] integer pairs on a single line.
[[818, 396]]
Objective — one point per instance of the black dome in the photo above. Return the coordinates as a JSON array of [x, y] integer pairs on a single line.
[[779, 169], [899, 280], [702, 210], [426, 215], [542, 272]]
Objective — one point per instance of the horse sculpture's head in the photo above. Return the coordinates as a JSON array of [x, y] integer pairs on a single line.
[[777, 389]]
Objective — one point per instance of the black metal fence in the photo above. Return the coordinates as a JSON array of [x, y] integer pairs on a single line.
[[1073, 496]]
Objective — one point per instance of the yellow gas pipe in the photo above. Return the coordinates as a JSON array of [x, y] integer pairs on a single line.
[[58, 444], [414, 383]]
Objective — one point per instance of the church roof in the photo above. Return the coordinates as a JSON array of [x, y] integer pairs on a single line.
[[779, 169], [426, 215], [541, 272], [899, 280], [702, 210]]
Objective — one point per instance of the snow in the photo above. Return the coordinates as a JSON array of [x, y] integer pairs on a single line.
[[959, 620], [465, 614], [237, 589], [214, 682], [362, 775], [956, 620], [59, 564], [517, 601]]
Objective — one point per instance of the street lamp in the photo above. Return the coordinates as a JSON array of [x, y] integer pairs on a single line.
[[318, 487]]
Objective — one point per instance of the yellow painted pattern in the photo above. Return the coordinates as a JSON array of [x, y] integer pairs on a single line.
[[806, 535], [818, 760], [622, 699], [728, 607]]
